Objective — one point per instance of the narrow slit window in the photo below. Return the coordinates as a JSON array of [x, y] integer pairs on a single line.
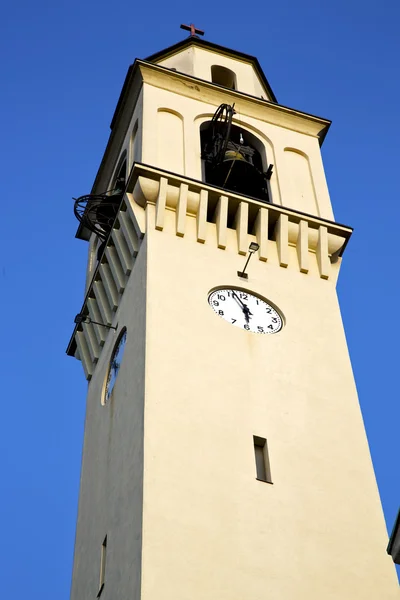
[[103, 559], [263, 470]]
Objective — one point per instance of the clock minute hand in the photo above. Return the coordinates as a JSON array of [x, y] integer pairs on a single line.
[[244, 307]]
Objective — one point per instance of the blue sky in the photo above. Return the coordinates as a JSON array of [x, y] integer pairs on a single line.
[[62, 70]]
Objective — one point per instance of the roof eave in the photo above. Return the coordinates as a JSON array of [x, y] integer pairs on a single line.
[[195, 41]]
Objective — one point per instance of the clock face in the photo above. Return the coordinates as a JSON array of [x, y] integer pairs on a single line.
[[115, 363], [245, 310]]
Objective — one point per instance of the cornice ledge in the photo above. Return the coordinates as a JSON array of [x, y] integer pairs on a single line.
[[145, 187], [252, 106]]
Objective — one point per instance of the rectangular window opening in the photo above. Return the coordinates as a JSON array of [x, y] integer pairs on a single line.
[[263, 469], [103, 558]]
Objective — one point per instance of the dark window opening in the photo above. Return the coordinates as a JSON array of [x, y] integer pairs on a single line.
[[241, 166], [119, 183], [263, 470], [223, 76]]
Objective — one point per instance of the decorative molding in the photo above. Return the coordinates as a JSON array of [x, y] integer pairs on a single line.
[[261, 230], [241, 224], [267, 222], [160, 204], [221, 219], [228, 220], [324, 263], [107, 286], [282, 239], [302, 246], [181, 210], [202, 217]]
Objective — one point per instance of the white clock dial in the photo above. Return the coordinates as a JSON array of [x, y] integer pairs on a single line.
[[243, 309]]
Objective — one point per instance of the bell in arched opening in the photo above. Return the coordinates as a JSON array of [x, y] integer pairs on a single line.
[[232, 158]]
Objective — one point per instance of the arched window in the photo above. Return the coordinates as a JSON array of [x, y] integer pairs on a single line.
[[134, 145], [119, 179], [223, 76], [242, 166]]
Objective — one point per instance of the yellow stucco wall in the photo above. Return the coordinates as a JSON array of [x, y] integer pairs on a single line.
[[198, 62], [168, 467], [209, 526]]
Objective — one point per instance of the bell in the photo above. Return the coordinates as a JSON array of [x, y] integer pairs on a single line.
[[236, 174], [233, 155]]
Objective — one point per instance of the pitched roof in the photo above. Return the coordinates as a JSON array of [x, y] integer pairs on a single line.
[[195, 41]]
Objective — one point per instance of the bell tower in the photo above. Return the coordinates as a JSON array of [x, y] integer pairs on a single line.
[[224, 453]]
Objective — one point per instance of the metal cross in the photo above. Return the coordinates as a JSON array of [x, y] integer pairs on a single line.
[[193, 31]]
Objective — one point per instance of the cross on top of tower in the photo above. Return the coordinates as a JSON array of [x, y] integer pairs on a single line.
[[193, 31]]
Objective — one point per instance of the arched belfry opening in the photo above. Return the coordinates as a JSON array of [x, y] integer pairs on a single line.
[[223, 76], [234, 158]]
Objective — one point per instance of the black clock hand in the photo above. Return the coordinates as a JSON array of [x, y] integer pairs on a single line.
[[244, 307], [247, 314]]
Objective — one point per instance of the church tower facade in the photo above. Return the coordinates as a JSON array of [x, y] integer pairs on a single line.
[[225, 454]]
